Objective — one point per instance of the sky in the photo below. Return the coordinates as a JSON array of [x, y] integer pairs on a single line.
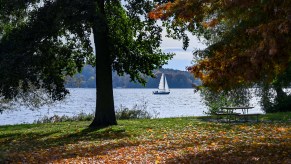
[[183, 58]]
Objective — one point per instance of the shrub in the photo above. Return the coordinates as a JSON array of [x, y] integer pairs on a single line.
[[215, 100], [137, 112], [55, 118], [122, 113]]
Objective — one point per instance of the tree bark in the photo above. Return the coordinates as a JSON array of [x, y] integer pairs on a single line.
[[280, 93], [104, 114]]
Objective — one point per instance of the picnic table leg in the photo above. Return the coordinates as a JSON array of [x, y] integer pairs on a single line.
[[229, 115], [245, 116]]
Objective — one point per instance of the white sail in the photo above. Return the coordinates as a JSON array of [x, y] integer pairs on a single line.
[[166, 85], [162, 83], [163, 86]]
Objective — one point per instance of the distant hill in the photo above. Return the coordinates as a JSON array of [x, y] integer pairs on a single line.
[[175, 78]]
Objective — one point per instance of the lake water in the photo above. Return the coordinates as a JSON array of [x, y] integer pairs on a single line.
[[180, 102]]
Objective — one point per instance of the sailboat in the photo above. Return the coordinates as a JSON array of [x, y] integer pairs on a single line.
[[163, 86]]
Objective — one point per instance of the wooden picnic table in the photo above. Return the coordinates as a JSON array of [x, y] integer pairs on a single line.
[[245, 112], [245, 109]]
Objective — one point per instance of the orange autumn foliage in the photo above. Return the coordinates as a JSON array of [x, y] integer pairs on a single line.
[[252, 38]]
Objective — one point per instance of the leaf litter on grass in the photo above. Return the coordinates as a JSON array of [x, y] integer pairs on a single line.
[[191, 142]]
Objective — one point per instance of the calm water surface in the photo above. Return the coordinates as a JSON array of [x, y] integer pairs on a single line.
[[180, 102]]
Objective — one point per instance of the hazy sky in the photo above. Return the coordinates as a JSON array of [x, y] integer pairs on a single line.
[[182, 59]]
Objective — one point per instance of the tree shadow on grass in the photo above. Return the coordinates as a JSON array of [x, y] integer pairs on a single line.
[[38, 141], [88, 151], [232, 121], [17, 127]]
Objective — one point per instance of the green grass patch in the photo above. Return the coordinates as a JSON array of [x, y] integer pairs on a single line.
[[280, 116]]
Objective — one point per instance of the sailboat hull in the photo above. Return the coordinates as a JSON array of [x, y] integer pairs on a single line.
[[161, 92]]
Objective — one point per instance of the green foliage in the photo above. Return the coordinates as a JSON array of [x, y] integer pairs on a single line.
[[5, 105], [136, 50], [276, 117], [33, 100], [273, 96], [55, 118], [39, 52], [272, 101], [139, 111], [124, 113], [215, 100], [282, 105]]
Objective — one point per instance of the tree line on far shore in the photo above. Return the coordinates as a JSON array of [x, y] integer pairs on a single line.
[[175, 79]]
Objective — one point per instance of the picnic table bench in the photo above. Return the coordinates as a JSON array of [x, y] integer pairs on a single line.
[[229, 112], [249, 115]]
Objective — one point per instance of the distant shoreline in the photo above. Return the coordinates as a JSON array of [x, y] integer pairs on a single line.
[[121, 88], [175, 79]]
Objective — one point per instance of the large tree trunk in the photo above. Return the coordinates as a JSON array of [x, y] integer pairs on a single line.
[[104, 114]]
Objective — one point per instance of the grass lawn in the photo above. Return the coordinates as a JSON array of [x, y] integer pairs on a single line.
[[169, 140]]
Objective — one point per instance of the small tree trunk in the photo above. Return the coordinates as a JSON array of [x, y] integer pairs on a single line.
[[104, 114], [280, 93]]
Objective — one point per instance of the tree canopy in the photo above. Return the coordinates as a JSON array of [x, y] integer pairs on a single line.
[[36, 51], [43, 41], [248, 41]]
